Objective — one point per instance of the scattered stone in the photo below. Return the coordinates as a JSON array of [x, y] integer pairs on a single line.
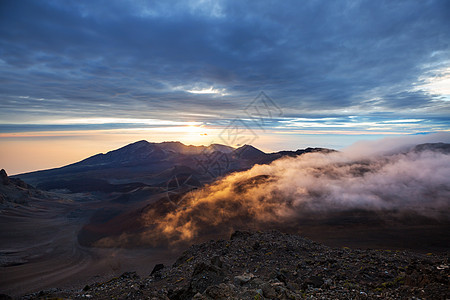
[[243, 279], [314, 281], [205, 275], [157, 268], [221, 291], [130, 275], [217, 261], [288, 267], [268, 291]]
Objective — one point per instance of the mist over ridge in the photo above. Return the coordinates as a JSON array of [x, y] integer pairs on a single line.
[[290, 190]]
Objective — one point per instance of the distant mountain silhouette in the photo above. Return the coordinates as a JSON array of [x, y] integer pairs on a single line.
[[249, 152], [143, 163]]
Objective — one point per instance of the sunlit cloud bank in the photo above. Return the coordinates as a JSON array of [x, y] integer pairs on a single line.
[[282, 194]]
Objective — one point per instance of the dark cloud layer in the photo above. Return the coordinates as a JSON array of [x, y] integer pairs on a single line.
[[147, 59]]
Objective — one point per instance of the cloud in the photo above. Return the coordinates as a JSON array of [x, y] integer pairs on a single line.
[[290, 191], [127, 56], [391, 145]]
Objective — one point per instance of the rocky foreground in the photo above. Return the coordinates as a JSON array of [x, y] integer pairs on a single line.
[[274, 265]]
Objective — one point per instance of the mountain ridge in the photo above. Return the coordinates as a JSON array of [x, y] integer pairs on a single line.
[[142, 161]]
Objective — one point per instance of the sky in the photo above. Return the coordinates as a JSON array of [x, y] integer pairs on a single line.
[[82, 77]]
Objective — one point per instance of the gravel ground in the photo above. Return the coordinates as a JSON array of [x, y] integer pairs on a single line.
[[273, 265]]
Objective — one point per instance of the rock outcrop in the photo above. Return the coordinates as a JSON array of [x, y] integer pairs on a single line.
[[13, 190], [4, 179]]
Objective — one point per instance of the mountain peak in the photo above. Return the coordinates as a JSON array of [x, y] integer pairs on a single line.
[[138, 143], [133, 146], [221, 148], [249, 152], [140, 146], [247, 147]]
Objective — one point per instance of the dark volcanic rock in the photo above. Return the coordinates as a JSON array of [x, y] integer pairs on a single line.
[[205, 275], [20, 183], [157, 268], [217, 261], [283, 266], [14, 190], [314, 281], [4, 179]]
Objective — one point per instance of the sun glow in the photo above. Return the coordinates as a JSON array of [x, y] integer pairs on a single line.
[[194, 129], [196, 134]]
